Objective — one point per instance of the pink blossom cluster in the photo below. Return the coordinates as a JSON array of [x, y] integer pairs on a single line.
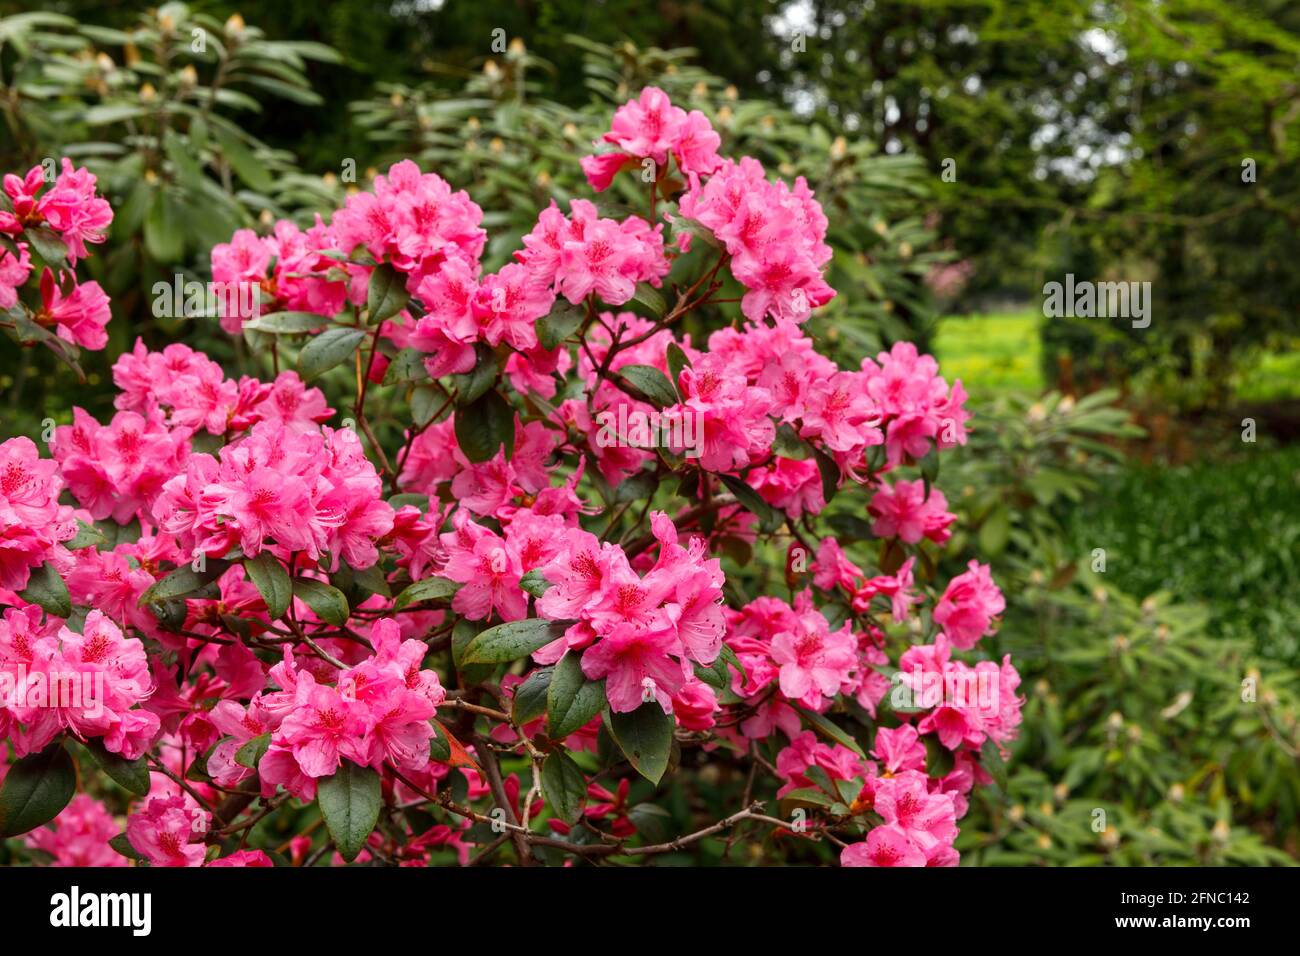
[[309, 491], [378, 711], [33, 524], [189, 391], [76, 215], [775, 236], [651, 127], [87, 683], [207, 484], [639, 632], [80, 835]]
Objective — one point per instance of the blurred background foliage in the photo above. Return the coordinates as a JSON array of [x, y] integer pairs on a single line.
[[967, 151]]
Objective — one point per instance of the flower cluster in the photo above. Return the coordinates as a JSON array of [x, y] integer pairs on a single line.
[[651, 127], [62, 218], [640, 631], [310, 491], [378, 711], [86, 683], [271, 605], [33, 525]]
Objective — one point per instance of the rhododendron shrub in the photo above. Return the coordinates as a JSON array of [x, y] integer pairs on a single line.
[[482, 611]]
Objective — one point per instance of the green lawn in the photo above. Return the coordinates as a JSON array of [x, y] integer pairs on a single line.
[[991, 354], [999, 352]]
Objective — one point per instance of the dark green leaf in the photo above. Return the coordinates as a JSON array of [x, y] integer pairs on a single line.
[[386, 294], [562, 322], [326, 601], [831, 730], [184, 581], [474, 384], [350, 801], [327, 350], [650, 382], [47, 244], [242, 161], [769, 518], [572, 700], [534, 582], [131, 775], [530, 697], [650, 297], [45, 587], [646, 738], [286, 323], [36, 790], [252, 751], [563, 785], [272, 582], [427, 589], [509, 642], [677, 360], [483, 427]]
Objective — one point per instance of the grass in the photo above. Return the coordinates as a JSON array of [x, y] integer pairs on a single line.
[[996, 353], [1226, 533], [1275, 377], [991, 354]]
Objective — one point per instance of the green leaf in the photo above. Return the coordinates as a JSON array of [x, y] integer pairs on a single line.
[[650, 297], [252, 751], [426, 589], [88, 536], [187, 168], [484, 426], [36, 790], [326, 601], [242, 161], [677, 360], [164, 235], [715, 674], [509, 642], [408, 366], [372, 579], [47, 244], [650, 382], [122, 845], [729, 655], [563, 785], [327, 350], [534, 582], [530, 697], [272, 582], [45, 587], [386, 294], [439, 745], [788, 444], [131, 775], [995, 531], [769, 518], [572, 699], [562, 322], [286, 323], [991, 760], [184, 581], [645, 736], [830, 473], [831, 730], [474, 384], [350, 801]]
